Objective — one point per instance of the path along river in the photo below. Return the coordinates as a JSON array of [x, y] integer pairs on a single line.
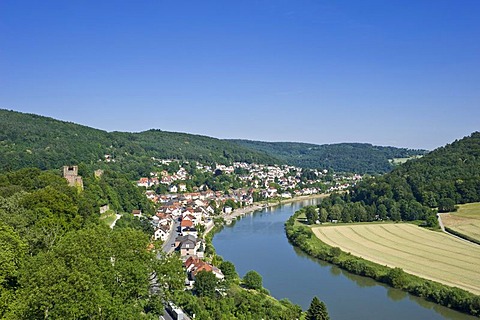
[[257, 242]]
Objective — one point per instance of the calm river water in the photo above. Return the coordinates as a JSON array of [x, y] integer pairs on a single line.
[[258, 242]]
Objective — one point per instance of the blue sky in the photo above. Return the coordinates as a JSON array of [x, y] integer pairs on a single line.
[[403, 73]]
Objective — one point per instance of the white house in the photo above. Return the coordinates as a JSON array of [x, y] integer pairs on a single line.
[[161, 233]]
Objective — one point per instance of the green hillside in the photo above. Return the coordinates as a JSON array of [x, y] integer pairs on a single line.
[[341, 157], [28, 140], [444, 177]]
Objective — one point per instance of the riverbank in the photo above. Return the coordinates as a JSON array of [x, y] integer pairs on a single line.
[[264, 204], [303, 237]]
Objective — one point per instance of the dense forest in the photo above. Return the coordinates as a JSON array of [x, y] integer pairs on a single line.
[[28, 140], [342, 157], [415, 190], [57, 261]]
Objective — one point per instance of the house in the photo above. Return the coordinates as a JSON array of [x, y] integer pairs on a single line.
[[199, 203], [137, 213], [161, 233], [187, 245], [173, 188], [104, 208], [248, 200], [182, 187], [272, 192], [143, 182], [210, 210], [190, 231], [194, 265], [186, 223], [162, 218], [227, 209]]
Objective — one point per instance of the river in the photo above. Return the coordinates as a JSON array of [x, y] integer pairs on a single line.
[[258, 242]]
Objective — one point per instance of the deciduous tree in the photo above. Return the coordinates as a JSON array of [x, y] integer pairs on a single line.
[[253, 280], [205, 284]]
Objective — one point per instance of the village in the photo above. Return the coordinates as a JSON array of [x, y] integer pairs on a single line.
[[185, 214]]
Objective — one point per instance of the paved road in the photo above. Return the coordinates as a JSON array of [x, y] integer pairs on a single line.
[[440, 222], [167, 246]]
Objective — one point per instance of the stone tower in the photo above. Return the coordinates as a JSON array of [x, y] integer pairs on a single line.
[[71, 174]]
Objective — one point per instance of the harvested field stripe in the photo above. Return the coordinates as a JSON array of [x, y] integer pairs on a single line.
[[424, 235], [411, 248], [458, 254], [421, 260], [368, 254]]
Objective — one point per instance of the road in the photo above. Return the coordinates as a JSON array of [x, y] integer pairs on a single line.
[[167, 248], [440, 222], [168, 245]]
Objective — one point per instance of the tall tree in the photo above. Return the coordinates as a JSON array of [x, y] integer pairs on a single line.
[[253, 280], [205, 284], [317, 310], [90, 273], [228, 270], [311, 214], [12, 252]]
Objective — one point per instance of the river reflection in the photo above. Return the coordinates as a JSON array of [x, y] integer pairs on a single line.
[[258, 242]]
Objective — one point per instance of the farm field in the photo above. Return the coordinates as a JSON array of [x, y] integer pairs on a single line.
[[465, 221], [428, 254]]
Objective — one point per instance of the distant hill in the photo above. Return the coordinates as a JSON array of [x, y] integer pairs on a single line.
[[442, 178], [28, 140], [341, 157]]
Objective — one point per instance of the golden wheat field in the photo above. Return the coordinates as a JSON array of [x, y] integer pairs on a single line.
[[465, 221], [428, 254]]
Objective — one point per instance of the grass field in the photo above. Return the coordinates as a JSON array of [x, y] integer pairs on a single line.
[[428, 254], [465, 221], [397, 161], [108, 217]]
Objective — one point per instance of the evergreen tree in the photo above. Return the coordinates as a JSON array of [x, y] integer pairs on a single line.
[[317, 310]]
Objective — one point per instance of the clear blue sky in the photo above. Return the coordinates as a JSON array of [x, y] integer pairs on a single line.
[[404, 73]]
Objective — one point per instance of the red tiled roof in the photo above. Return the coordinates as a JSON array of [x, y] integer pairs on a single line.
[[186, 223]]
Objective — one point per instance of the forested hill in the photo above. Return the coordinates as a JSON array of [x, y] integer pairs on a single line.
[[415, 190], [341, 157], [450, 172], [28, 140]]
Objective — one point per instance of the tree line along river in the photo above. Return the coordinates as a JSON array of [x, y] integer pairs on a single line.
[[258, 242]]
